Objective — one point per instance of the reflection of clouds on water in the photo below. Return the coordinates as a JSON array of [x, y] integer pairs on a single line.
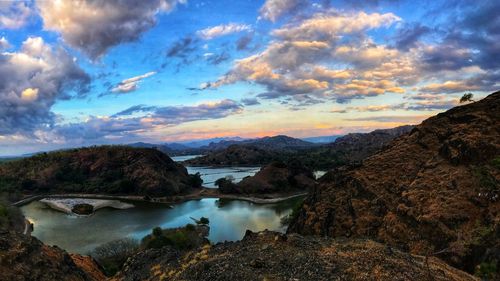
[[184, 157], [229, 219], [211, 174]]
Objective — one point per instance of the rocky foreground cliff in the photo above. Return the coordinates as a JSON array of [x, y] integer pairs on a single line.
[[99, 170], [274, 256], [432, 192]]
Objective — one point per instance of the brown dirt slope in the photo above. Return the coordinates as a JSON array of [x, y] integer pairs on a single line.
[[273, 256], [433, 191]]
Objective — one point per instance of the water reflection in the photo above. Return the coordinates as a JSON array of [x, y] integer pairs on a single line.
[[229, 219], [211, 174]]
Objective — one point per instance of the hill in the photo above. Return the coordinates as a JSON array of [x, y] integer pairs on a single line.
[[276, 177], [434, 191], [100, 170], [234, 155], [348, 149]]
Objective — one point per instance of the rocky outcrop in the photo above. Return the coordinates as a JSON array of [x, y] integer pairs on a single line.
[[96, 170], [355, 147], [274, 256], [276, 177], [23, 257], [434, 191]]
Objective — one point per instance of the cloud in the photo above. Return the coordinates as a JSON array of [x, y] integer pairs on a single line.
[[131, 84], [273, 9], [250, 101], [31, 81], [14, 14], [404, 119], [4, 44], [216, 59], [95, 26], [127, 124], [328, 26], [292, 65], [140, 108], [222, 30], [408, 36], [244, 42], [418, 104]]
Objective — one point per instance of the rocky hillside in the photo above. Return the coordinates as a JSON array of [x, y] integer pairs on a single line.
[[273, 256], [276, 177], [275, 143], [234, 155], [434, 191], [355, 147], [23, 257], [352, 148], [103, 170]]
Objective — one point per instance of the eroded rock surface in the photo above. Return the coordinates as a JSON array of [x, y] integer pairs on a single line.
[[434, 191]]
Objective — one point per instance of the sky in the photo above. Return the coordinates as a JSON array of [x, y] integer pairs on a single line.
[[77, 73]]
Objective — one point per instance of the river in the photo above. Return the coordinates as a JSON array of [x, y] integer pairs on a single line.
[[229, 219]]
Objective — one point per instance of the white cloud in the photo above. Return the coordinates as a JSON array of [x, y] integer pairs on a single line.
[[14, 14], [95, 26], [31, 81], [4, 44], [273, 9], [221, 30], [131, 84]]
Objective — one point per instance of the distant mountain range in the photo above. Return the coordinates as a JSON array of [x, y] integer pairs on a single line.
[[322, 139]]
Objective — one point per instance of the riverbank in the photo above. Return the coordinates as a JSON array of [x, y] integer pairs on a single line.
[[195, 194]]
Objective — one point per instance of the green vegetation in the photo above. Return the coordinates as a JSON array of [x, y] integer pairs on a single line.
[[183, 238], [204, 221], [103, 169], [487, 270], [112, 255], [466, 98], [286, 220], [10, 216], [496, 162], [488, 183], [195, 180], [225, 185]]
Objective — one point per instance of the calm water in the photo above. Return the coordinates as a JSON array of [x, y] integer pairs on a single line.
[[211, 174], [229, 219], [184, 157]]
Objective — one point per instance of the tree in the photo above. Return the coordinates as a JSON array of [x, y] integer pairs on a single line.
[[466, 98], [157, 231]]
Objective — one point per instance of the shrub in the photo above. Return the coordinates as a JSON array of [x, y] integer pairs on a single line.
[[112, 255], [487, 270], [195, 180], [204, 220], [157, 231], [294, 214], [179, 238], [190, 227]]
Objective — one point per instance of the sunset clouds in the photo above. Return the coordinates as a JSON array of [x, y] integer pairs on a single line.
[[84, 72]]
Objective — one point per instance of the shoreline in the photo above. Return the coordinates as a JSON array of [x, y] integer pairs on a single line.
[[202, 193]]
